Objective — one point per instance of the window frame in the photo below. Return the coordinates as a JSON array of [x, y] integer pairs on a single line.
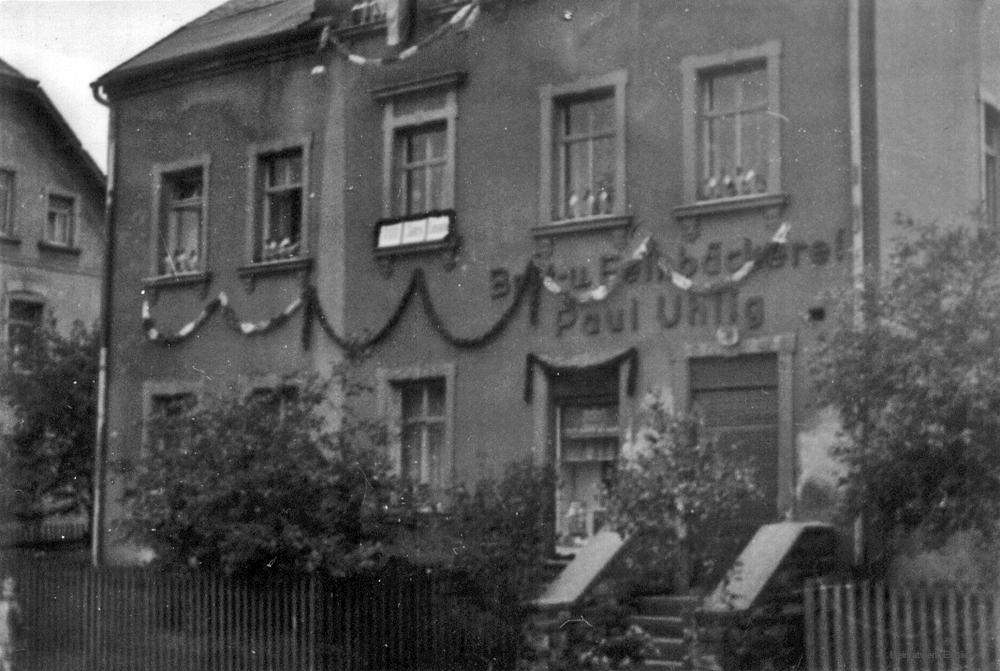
[[694, 70], [33, 299], [74, 217], [151, 390], [389, 382], [257, 191], [394, 121], [162, 172], [8, 227], [551, 99]]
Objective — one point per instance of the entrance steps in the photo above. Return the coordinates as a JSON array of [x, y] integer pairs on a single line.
[[665, 618]]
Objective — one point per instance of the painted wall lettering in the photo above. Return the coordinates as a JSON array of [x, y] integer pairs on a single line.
[[671, 310]]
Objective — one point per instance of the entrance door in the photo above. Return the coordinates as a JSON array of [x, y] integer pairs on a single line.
[[586, 436], [738, 401]]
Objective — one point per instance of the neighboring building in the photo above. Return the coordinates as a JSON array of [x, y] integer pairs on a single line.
[[637, 154], [51, 219]]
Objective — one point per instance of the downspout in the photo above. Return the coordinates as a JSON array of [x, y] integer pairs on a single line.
[[864, 190], [97, 540]]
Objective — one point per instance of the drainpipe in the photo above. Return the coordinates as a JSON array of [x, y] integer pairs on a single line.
[[101, 440]]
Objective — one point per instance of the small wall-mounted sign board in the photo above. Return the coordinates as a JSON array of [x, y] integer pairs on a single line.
[[428, 228]]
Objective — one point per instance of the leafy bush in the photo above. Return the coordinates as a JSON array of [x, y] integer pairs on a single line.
[[248, 484], [916, 380], [681, 494], [51, 388]]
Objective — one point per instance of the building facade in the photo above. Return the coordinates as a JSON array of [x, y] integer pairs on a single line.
[[530, 216], [51, 218]]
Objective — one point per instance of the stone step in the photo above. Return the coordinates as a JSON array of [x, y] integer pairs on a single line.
[[668, 605], [662, 665], [658, 625], [672, 648]]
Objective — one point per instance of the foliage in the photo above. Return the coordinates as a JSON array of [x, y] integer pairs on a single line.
[[51, 389], [680, 492], [498, 534], [248, 484], [917, 384]]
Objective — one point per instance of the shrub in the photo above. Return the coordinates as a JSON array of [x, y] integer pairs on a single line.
[[253, 484], [681, 494], [916, 380]]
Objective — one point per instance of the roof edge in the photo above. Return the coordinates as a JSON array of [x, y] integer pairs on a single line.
[[33, 88], [114, 82]]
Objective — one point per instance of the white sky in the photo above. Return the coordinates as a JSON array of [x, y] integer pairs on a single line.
[[66, 44]]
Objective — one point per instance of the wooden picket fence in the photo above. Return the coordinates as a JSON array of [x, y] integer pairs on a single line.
[[870, 626], [145, 620]]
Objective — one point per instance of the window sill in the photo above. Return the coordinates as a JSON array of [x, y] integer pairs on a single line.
[[9, 239], [250, 272], [153, 285], [46, 246], [604, 222], [770, 202]]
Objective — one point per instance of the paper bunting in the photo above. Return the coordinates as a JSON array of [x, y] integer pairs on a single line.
[[602, 291]]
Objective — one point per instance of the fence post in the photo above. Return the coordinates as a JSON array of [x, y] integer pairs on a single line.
[[809, 620]]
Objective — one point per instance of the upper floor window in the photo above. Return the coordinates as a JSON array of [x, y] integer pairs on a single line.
[[7, 202], [731, 124], [24, 323], [419, 146], [180, 219], [281, 207], [991, 150], [60, 223], [420, 161], [583, 149]]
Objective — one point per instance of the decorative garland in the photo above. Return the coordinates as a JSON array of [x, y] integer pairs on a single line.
[[684, 283], [314, 311], [530, 285], [554, 367], [154, 335], [418, 285], [679, 280], [599, 293], [466, 16]]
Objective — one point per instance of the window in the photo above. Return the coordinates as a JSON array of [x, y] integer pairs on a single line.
[[423, 424], [731, 124], [419, 146], [419, 164], [587, 444], [419, 403], [280, 210], [734, 132], [991, 143], [60, 220], [180, 218], [24, 322], [583, 149], [168, 430], [7, 202]]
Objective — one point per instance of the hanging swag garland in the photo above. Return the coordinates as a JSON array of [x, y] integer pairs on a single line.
[[529, 285], [526, 288], [155, 335], [466, 16], [679, 280]]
